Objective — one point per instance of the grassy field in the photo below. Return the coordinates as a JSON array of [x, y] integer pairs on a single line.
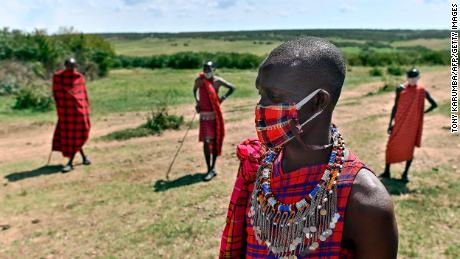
[[131, 90], [122, 207], [437, 44], [157, 46]]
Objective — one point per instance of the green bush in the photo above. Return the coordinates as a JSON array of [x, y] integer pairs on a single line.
[[395, 70], [161, 120], [33, 98], [375, 71], [15, 75]]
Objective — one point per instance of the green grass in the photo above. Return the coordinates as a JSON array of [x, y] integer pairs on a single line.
[[156, 46], [137, 90], [358, 75], [437, 44], [132, 90], [444, 109], [439, 204], [141, 89]]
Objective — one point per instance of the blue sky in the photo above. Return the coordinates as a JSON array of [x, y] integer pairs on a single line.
[[222, 15]]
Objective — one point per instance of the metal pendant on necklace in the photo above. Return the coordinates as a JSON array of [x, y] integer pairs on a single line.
[[289, 229]]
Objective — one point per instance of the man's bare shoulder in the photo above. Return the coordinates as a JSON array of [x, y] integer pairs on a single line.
[[220, 80], [370, 195], [198, 81]]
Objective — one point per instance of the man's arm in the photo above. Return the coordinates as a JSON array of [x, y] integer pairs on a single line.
[[195, 89], [399, 88], [229, 86], [432, 102], [370, 219]]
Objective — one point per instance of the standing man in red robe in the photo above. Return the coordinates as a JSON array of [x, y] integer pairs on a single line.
[[72, 129], [406, 132], [211, 120]]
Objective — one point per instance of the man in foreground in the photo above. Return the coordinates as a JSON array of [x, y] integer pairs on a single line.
[[300, 191], [211, 119], [71, 98], [406, 132]]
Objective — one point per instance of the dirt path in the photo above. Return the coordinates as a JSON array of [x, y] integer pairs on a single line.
[[17, 143]]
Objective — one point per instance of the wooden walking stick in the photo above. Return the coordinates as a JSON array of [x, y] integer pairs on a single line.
[[49, 157], [181, 144]]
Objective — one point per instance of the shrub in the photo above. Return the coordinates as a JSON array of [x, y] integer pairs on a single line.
[[395, 70], [16, 75], [375, 71], [161, 120], [33, 98]]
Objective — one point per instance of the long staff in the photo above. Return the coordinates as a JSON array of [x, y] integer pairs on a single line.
[[181, 144], [49, 158]]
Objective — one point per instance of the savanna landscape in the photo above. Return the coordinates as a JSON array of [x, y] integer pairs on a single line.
[[122, 206]]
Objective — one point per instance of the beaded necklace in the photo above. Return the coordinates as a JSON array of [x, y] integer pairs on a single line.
[[289, 229]]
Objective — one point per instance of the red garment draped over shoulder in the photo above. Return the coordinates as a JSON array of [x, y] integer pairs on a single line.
[[209, 101], [238, 240], [408, 125], [72, 105]]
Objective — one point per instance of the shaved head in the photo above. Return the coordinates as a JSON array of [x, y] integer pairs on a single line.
[[311, 63], [70, 63]]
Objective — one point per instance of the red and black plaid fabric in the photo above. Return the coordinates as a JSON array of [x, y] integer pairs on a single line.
[[238, 239], [208, 95], [72, 129], [207, 129], [273, 123]]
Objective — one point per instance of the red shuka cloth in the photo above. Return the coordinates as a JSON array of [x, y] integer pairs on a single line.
[[72, 129], [238, 240], [407, 129], [213, 99]]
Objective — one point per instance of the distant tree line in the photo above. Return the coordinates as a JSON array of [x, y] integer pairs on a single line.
[[366, 57], [371, 57], [183, 60], [283, 35]]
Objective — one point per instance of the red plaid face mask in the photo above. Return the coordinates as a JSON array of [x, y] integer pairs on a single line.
[[274, 122]]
